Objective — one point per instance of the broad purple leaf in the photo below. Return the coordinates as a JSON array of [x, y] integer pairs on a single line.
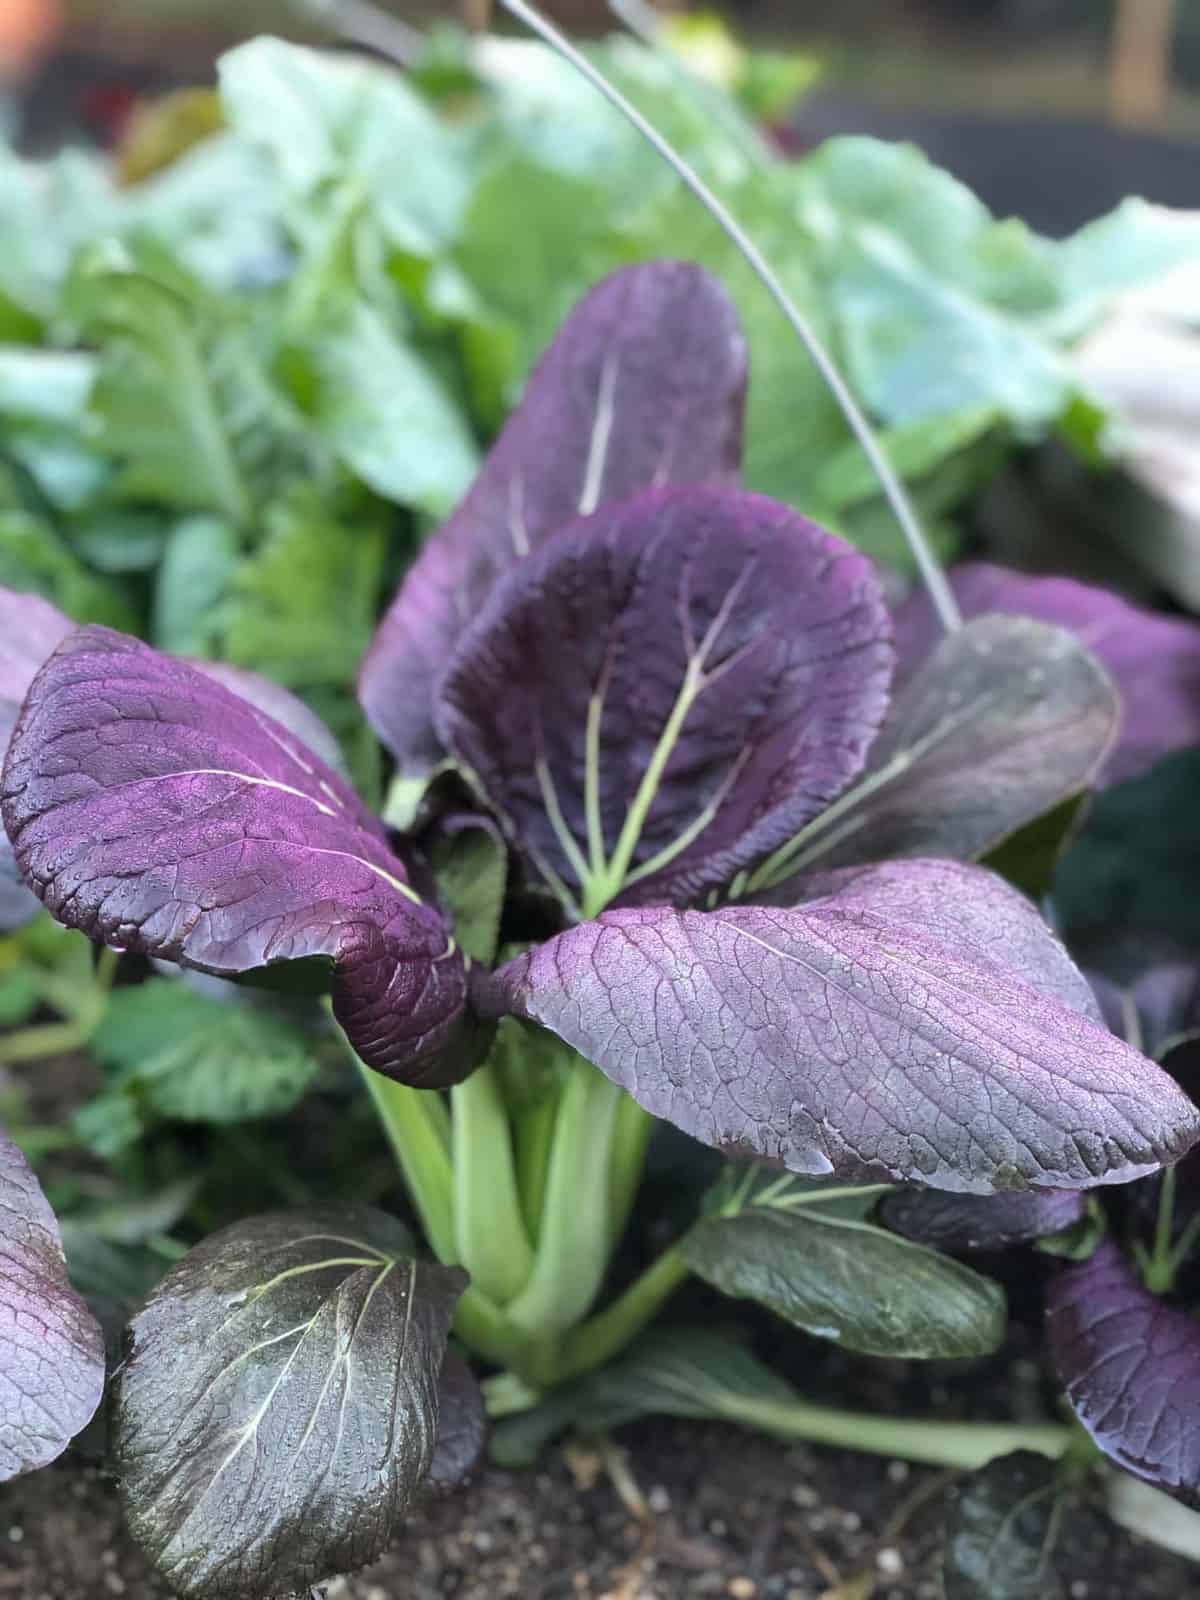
[[157, 811], [707, 652], [30, 628], [862, 1034], [644, 385], [51, 1347], [1003, 722], [981, 1222], [1130, 1363], [1154, 660], [281, 705]]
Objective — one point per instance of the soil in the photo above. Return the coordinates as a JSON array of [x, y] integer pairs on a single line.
[[730, 1515]]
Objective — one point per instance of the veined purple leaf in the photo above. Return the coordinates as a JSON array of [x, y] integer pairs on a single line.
[[1130, 1364], [159, 812], [51, 1347], [30, 628], [668, 690], [1004, 721], [643, 386], [281, 705], [981, 1222], [1154, 660], [863, 1034]]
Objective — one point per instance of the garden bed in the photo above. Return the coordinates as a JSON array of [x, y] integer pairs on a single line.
[[732, 1515]]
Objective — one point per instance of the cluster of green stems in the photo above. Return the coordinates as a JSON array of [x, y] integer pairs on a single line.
[[533, 1201]]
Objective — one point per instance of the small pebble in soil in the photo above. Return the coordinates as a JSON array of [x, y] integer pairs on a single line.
[[851, 1521], [742, 1588], [658, 1500], [16, 1533], [1079, 1590], [890, 1562], [803, 1495], [898, 1471]]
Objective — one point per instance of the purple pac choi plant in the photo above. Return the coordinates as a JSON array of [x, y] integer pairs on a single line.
[[672, 847]]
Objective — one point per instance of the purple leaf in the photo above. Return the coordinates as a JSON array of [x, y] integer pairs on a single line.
[[157, 811], [981, 1222], [30, 628], [895, 1029], [1130, 1364], [51, 1347], [668, 690], [1147, 984], [290, 712], [462, 1426], [643, 386], [1154, 660], [1003, 722]]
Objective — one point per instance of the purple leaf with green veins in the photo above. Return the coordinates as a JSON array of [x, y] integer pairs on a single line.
[[1154, 660], [30, 628], [51, 1347], [980, 1222], [889, 1030], [643, 386], [1004, 721], [159, 812], [1130, 1363], [668, 690]]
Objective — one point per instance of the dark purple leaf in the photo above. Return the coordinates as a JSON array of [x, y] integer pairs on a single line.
[[910, 1026], [462, 1426], [643, 386], [30, 628], [157, 811], [1154, 660], [981, 1222], [1130, 1363], [281, 705], [708, 637], [1003, 722], [1148, 984], [51, 1347], [277, 1407]]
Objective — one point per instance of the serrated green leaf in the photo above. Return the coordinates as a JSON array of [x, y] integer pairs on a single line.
[[35, 559], [301, 609], [191, 1057]]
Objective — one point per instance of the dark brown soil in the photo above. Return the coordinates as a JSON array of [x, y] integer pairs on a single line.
[[731, 1515]]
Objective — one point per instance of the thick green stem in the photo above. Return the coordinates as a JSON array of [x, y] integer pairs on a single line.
[[631, 1136], [1160, 1268], [535, 1142], [607, 1333], [416, 1133], [574, 1243], [965, 1445], [490, 1231]]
